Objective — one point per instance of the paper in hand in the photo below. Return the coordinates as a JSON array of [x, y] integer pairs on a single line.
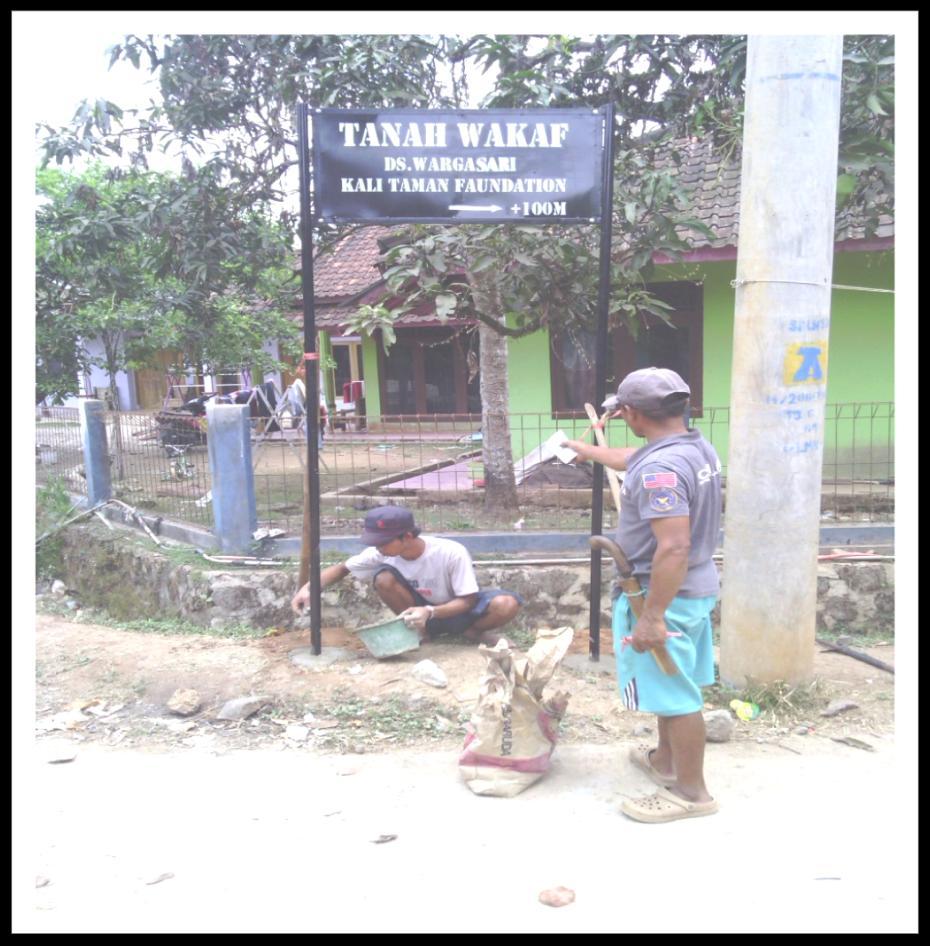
[[556, 443]]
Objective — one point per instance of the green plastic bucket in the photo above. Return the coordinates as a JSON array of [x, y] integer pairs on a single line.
[[388, 638]]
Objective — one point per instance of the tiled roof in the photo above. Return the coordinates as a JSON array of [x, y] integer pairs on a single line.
[[850, 228], [351, 267], [713, 185], [337, 317], [424, 314]]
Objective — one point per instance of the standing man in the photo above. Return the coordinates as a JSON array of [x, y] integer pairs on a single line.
[[668, 527], [427, 580]]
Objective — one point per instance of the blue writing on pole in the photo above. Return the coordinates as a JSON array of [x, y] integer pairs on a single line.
[[810, 365]]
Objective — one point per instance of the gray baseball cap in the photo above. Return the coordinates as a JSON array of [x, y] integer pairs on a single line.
[[648, 389], [386, 523]]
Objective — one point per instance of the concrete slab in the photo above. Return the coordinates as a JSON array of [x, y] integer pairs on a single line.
[[304, 656], [459, 477], [584, 664]]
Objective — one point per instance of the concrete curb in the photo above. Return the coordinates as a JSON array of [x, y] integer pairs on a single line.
[[877, 535]]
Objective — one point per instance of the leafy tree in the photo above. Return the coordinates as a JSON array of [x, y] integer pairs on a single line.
[[147, 262], [222, 267], [865, 186], [90, 280]]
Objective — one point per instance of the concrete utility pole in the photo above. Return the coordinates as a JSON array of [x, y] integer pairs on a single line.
[[781, 332]]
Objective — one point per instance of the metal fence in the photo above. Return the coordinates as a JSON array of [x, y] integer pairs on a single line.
[[160, 475], [431, 464], [59, 450]]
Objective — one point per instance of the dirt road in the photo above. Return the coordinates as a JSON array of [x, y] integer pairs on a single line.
[[104, 684], [172, 825], [285, 841]]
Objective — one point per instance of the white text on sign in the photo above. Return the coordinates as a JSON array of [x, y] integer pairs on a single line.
[[470, 134]]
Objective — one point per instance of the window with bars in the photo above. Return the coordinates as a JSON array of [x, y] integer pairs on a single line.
[[572, 354], [426, 371]]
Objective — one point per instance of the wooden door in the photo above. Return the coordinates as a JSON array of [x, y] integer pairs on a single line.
[[152, 383]]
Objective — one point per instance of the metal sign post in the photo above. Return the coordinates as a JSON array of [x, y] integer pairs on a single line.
[[386, 166], [311, 362], [600, 377]]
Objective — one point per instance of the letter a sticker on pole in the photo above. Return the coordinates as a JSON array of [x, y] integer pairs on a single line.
[[472, 166]]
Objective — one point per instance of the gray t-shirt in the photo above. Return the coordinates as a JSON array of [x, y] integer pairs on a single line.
[[674, 476]]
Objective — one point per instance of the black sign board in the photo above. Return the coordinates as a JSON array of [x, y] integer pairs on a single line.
[[436, 166]]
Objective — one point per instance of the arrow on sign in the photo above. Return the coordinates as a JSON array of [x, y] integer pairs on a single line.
[[491, 208]]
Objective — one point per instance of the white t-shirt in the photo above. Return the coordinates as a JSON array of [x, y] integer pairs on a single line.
[[444, 571]]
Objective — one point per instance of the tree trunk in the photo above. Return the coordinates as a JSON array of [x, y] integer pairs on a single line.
[[500, 490]]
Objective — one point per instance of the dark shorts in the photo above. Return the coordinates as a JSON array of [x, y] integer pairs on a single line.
[[458, 623]]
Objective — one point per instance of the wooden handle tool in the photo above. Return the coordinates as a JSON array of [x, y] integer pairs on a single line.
[[633, 591], [612, 478]]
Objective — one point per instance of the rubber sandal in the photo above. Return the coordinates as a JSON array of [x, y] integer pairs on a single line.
[[665, 806], [639, 756]]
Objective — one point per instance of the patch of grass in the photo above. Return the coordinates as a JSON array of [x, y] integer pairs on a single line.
[[857, 638], [178, 626], [286, 709], [67, 663], [150, 625], [521, 637], [56, 608], [188, 556], [109, 677], [53, 505], [182, 556], [460, 525], [777, 696], [393, 719]]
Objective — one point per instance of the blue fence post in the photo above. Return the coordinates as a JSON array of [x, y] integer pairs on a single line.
[[96, 455], [233, 498]]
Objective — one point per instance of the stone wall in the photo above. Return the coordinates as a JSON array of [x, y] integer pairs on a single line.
[[131, 580]]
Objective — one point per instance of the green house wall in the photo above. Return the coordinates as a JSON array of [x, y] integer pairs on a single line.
[[370, 370], [860, 386]]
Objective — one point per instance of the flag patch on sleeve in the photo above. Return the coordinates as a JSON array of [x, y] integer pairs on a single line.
[[655, 480]]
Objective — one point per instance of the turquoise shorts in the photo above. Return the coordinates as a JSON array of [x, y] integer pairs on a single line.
[[643, 685]]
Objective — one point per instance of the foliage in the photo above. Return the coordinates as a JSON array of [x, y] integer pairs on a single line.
[[236, 95], [146, 262], [86, 271], [775, 697], [53, 504], [391, 719], [368, 319], [166, 626], [545, 275], [865, 186]]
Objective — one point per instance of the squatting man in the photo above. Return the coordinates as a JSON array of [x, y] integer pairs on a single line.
[[429, 581]]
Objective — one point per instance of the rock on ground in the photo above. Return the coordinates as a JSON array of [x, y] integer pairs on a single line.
[[184, 702], [242, 707], [428, 672], [719, 725]]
